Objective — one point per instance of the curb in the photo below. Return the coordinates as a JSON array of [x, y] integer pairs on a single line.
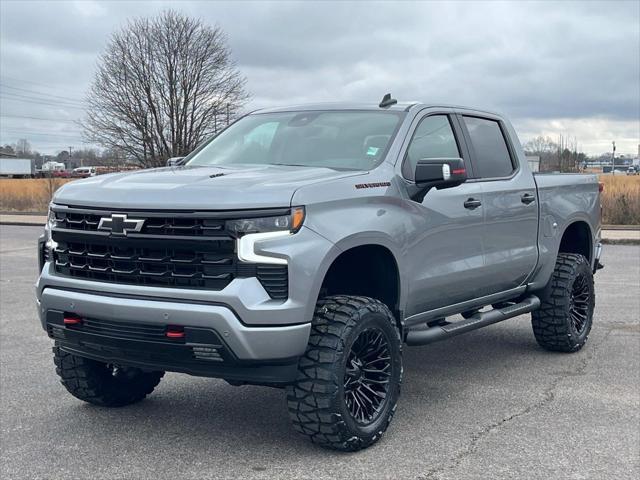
[[28, 214], [620, 241], [620, 227], [23, 224]]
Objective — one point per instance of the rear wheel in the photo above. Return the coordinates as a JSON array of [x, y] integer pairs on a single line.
[[564, 319], [349, 378], [103, 384]]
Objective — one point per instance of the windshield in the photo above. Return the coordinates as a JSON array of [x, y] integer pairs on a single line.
[[354, 140]]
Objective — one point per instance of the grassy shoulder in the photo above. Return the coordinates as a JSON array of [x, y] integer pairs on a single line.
[[621, 199], [28, 194]]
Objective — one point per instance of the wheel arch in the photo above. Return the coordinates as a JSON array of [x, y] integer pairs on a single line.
[[577, 238], [368, 269]]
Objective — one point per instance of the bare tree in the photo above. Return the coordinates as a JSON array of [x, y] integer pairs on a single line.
[[23, 147], [163, 85], [540, 146], [562, 155]]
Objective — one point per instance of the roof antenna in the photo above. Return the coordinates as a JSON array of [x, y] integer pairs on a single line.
[[387, 101]]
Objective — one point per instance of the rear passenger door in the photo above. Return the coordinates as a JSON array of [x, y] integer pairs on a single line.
[[509, 203]]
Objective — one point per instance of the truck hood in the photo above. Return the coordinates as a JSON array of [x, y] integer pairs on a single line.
[[202, 187]]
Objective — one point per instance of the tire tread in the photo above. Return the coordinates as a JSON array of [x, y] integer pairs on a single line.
[[84, 379], [310, 399], [550, 322]]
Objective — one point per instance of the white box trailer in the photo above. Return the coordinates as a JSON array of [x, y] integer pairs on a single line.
[[52, 166], [16, 167]]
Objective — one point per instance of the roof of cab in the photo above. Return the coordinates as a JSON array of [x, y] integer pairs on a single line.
[[335, 106], [398, 107]]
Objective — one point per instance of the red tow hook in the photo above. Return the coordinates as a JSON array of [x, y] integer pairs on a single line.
[[174, 331], [72, 319]]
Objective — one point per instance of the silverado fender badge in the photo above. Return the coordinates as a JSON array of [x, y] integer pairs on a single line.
[[373, 185]]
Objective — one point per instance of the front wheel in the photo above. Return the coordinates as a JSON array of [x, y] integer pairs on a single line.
[[349, 377], [564, 319]]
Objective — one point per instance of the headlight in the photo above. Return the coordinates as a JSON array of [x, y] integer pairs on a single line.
[[291, 222], [51, 221]]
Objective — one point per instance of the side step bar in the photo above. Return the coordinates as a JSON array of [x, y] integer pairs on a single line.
[[481, 319]]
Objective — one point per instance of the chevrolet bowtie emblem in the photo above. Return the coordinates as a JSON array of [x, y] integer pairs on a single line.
[[120, 224]]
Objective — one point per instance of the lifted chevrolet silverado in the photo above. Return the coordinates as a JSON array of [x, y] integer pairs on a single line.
[[302, 247]]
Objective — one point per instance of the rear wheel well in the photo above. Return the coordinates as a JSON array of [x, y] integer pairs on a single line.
[[577, 239], [368, 270]]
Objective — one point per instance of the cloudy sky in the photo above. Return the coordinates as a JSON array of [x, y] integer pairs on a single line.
[[569, 68]]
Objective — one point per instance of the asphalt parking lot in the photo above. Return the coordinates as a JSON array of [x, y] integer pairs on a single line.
[[490, 404]]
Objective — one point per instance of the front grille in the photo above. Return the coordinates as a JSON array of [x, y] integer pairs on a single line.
[[209, 266], [153, 225], [169, 251]]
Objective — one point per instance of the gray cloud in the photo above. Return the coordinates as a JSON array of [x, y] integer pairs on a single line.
[[548, 65]]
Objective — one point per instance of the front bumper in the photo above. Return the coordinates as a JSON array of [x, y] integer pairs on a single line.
[[257, 338], [131, 331]]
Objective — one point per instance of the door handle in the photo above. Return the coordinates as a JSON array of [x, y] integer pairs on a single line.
[[527, 198], [472, 203]]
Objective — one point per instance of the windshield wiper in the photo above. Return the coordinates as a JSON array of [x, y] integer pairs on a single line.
[[339, 169], [291, 165]]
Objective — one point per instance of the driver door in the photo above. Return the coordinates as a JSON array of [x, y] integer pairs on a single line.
[[448, 256]]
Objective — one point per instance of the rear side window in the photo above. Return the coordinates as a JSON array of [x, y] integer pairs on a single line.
[[492, 155], [432, 139]]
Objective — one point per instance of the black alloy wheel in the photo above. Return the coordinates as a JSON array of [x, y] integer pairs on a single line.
[[579, 303], [565, 317], [366, 380]]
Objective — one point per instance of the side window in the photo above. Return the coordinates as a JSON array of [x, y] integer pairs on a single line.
[[492, 155], [433, 138]]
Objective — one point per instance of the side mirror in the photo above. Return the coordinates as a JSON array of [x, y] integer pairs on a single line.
[[174, 161], [439, 173]]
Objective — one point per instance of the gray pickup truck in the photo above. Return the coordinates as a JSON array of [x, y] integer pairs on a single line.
[[302, 247]]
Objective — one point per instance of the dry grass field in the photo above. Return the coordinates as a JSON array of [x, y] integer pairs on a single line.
[[28, 195], [620, 200]]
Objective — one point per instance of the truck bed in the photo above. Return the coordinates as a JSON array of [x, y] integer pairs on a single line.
[[564, 198]]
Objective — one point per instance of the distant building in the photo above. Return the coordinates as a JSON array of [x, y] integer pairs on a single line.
[[7, 155], [534, 162]]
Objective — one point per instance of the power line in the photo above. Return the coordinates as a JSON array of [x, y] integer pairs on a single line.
[[15, 132], [40, 102], [31, 97], [40, 84], [48, 135], [38, 118], [43, 94], [37, 145]]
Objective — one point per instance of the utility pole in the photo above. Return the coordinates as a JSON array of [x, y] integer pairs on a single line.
[[613, 159]]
